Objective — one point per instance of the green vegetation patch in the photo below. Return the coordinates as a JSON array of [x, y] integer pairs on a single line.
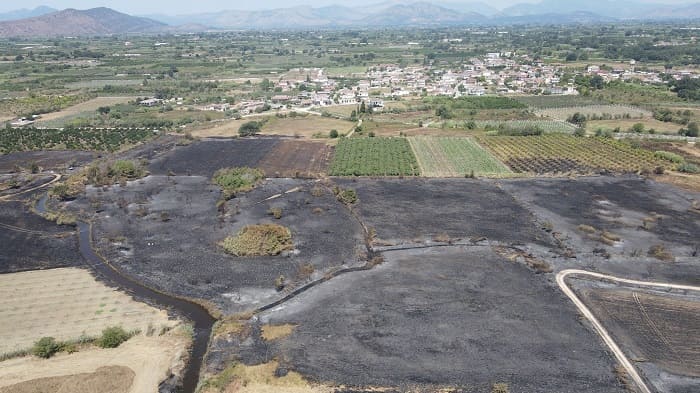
[[483, 102], [26, 139], [454, 157], [374, 157], [259, 240], [235, 180]]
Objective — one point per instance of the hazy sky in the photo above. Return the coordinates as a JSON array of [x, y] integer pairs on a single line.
[[172, 7]]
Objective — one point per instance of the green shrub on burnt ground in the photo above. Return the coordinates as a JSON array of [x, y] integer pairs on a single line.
[[259, 240], [235, 180], [347, 196], [108, 173], [669, 156]]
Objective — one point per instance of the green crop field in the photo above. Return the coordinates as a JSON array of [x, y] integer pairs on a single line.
[[559, 153], [374, 157], [22, 139], [454, 157]]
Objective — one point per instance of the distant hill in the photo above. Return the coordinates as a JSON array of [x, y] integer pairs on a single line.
[[71, 22], [26, 13], [622, 9], [388, 13]]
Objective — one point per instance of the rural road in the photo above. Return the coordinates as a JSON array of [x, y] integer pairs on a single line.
[[629, 367], [56, 178]]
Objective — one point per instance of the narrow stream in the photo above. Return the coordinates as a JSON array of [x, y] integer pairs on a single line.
[[195, 313]]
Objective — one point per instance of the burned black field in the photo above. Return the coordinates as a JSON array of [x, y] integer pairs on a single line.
[[205, 157], [417, 285], [418, 210], [166, 230], [461, 317], [29, 242]]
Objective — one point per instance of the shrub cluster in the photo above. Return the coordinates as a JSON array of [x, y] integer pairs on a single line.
[[235, 180], [259, 240]]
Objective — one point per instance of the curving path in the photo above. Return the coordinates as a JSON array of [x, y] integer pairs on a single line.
[[621, 357], [56, 178]]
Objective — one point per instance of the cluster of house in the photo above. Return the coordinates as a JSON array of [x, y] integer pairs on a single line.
[[494, 73], [631, 73]]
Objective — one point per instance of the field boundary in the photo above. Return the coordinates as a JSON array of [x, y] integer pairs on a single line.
[[600, 329]]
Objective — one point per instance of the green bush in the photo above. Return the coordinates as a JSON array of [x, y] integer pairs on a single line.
[[235, 180], [112, 337], [46, 347], [249, 129], [667, 155], [347, 196], [688, 168]]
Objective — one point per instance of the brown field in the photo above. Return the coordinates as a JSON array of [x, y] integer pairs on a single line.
[[113, 379], [654, 328], [625, 124], [294, 158], [341, 110], [227, 128], [87, 106], [65, 304], [305, 126], [141, 364]]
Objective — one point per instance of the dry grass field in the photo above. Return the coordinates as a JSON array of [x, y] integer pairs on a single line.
[[625, 124], [85, 107], [305, 126], [65, 304]]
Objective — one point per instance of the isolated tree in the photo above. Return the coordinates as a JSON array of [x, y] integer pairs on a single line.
[[578, 119], [249, 129], [333, 134], [363, 107]]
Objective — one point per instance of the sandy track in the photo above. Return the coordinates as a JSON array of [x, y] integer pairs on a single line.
[[150, 358], [621, 357]]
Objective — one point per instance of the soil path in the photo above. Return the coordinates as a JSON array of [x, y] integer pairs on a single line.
[[621, 357], [56, 177]]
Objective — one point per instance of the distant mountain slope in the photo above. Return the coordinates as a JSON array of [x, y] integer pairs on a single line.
[[26, 13], [71, 22], [423, 14], [622, 9]]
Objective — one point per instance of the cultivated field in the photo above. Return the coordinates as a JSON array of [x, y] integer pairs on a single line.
[[374, 157], [454, 157], [66, 303], [569, 154], [657, 328], [596, 111], [295, 158]]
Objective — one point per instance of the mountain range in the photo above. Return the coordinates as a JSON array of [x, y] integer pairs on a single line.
[[45, 21]]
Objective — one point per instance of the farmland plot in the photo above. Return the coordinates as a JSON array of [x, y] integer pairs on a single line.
[[599, 112], [374, 157], [453, 157], [557, 101], [566, 154]]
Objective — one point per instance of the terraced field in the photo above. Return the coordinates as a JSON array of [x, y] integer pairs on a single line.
[[551, 154], [374, 157], [454, 157]]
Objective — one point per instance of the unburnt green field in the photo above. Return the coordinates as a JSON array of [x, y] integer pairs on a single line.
[[374, 157], [454, 157]]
